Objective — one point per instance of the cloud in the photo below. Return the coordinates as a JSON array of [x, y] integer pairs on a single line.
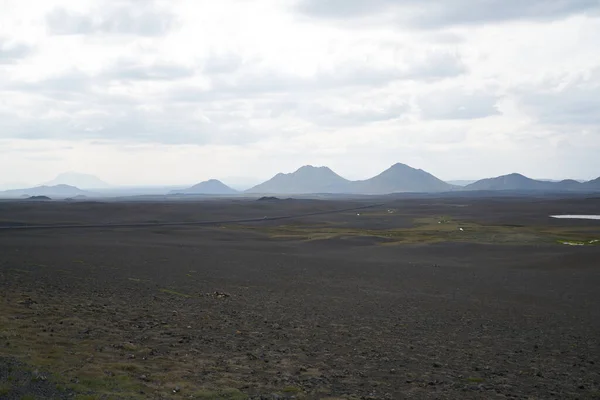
[[254, 80], [353, 116], [113, 124], [459, 12], [85, 86], [125, 70], [457, 104], [11, 52], [68, 85], [418, 78], [127, 18], [222, 63], [574, 102], [437, 65], [343, 9], [439, 13]]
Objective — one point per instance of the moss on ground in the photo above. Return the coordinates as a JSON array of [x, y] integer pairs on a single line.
[[435, 230]]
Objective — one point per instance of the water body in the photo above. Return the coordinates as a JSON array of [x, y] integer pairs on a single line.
[[576, 216]]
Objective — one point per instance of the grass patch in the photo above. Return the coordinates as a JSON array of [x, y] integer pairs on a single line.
[[5, 388], [593, 242], [94, 368], [126, 367], [105, 385], [87, 397], [291, 389], [435, 229], [224, 394]]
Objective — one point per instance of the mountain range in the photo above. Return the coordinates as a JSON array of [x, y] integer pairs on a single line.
[[55, 191], [522, 183], [309, 179]]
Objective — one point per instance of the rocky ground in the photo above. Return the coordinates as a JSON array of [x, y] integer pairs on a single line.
[[238, 312]]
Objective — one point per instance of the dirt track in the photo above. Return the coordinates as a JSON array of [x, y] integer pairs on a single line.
[[232, 312]]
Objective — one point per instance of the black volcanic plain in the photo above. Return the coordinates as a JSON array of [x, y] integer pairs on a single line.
[[416, 298]]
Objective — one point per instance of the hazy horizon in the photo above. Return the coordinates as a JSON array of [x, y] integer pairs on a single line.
[[178, 92], [238, 183]]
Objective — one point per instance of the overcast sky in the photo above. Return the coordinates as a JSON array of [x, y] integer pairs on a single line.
[[178, 91]]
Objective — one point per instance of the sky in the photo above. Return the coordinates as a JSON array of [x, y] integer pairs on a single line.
[[179, 91]]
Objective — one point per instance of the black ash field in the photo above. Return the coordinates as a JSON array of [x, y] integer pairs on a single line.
[[414, 298]]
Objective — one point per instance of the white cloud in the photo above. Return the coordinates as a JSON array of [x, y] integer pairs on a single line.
[[250, 88], [13, 52], [436, 13], [129, 17]]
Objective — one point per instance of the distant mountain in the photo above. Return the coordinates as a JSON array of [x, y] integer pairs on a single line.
[[13, 185], [38, 198], [83, 181], [592, 185], [509, 182], [522, 183], [211, 186], [461, 182], [59, 191], [567, 184], [307, 179], [401, 178]]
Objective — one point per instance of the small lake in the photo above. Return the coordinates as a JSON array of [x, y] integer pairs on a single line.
[[576, 216]]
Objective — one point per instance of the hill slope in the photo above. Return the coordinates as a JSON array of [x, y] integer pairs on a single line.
[[522, 183], [592, 185], [59, 191], [83, 181], [401, 178], [307, 179], [211, 186]]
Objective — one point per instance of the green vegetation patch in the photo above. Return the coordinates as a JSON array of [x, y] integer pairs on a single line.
[[5, 388], [224, 394], [291, 389], [436, 229], [593, 242]]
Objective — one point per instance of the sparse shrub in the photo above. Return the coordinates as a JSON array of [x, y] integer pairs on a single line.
[[5, 389], [291, 389]]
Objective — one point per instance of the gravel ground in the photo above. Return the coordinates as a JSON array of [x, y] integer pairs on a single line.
[[231, 313]]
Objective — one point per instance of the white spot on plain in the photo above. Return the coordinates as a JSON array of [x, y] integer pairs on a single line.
[[576, 216]]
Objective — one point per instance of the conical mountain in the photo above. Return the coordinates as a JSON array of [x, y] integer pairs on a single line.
[[305, 180], [401, 178], [82, 181], [210, 187]]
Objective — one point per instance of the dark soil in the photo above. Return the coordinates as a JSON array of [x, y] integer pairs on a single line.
[[231, 312], [18, 380]]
